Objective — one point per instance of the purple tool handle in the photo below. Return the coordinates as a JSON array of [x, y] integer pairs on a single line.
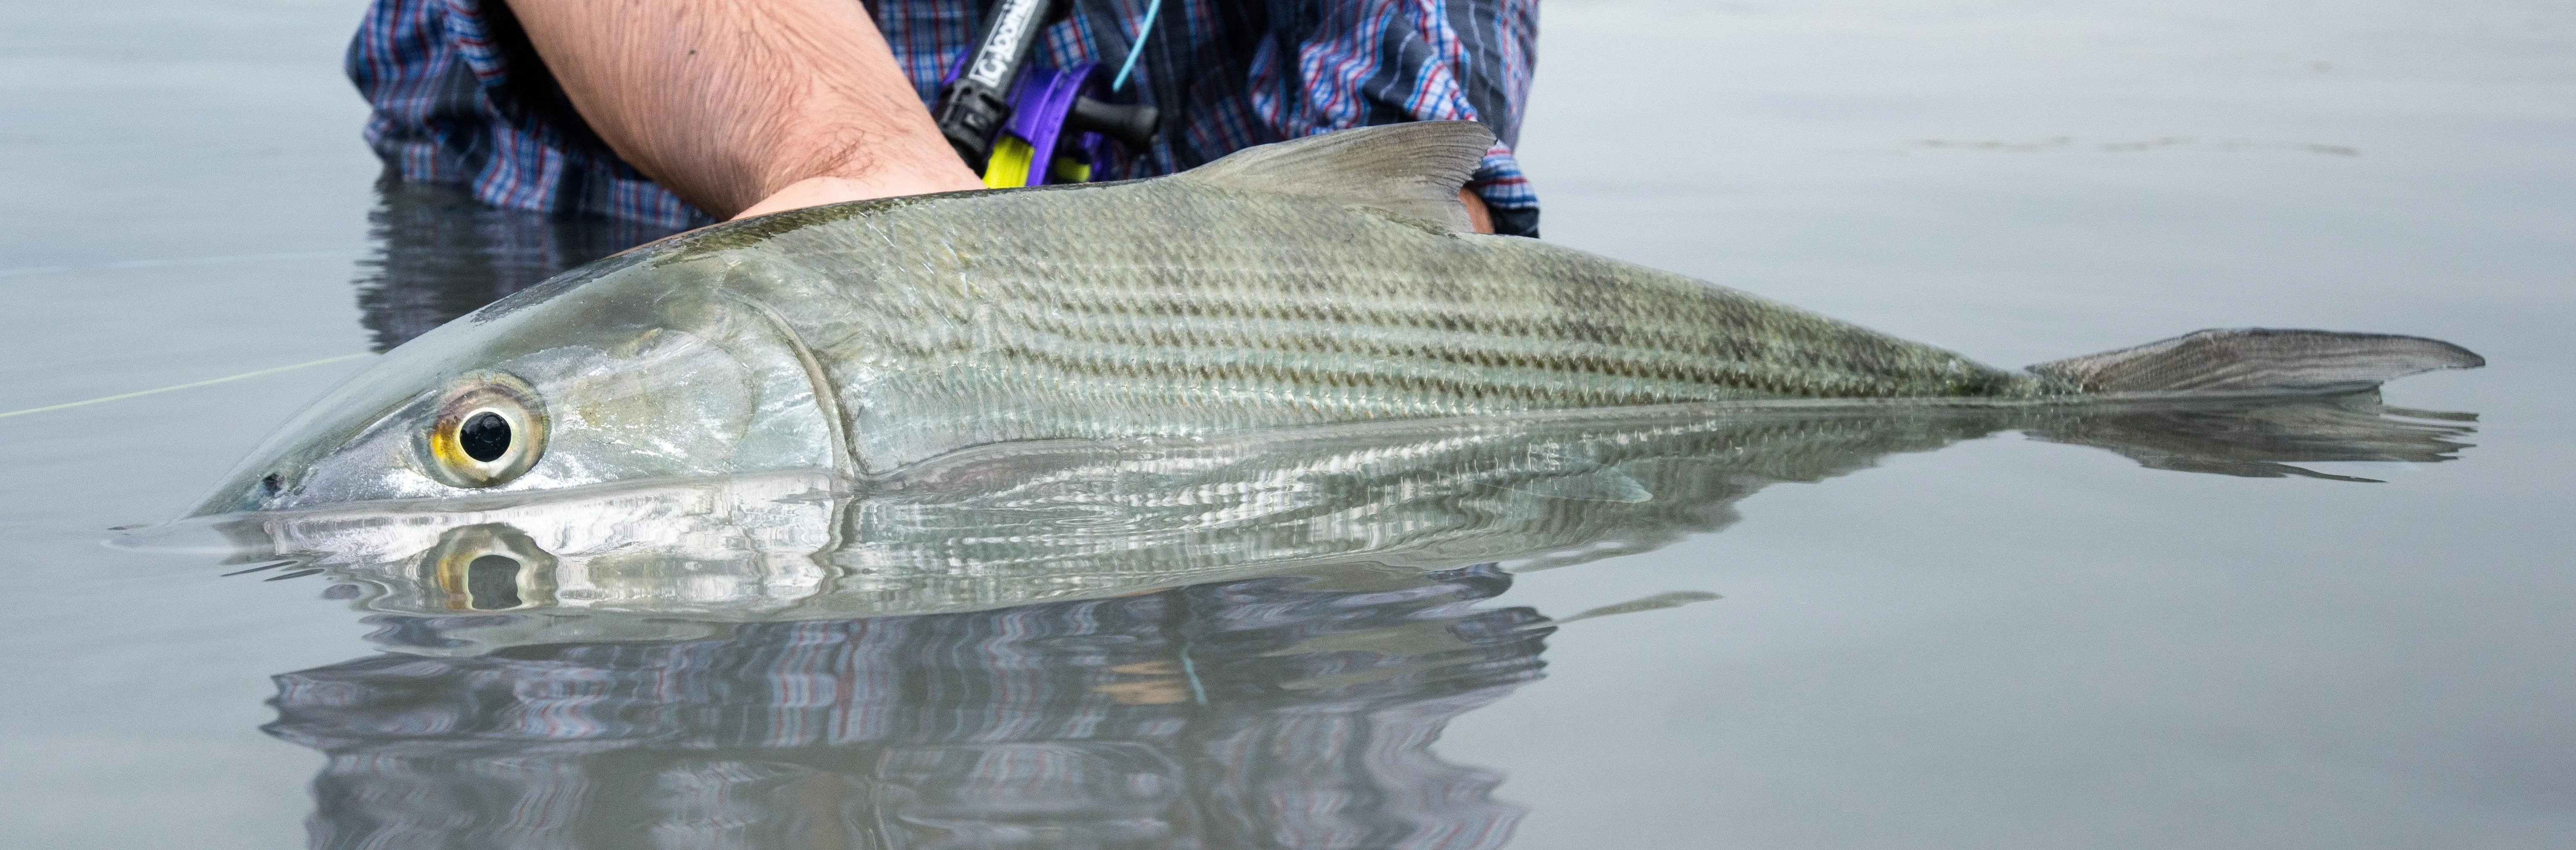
[[1039, 104]]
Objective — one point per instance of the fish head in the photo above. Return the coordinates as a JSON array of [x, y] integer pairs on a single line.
[[629, 369]]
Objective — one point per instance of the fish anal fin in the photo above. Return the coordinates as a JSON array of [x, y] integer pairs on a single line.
[[2259, 360], [1411, 170]]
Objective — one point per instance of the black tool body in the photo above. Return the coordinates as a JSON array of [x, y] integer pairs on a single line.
[[975, 107]]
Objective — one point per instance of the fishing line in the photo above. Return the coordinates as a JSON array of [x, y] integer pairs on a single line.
[[186, 261], [1152, 8], [225, 379]]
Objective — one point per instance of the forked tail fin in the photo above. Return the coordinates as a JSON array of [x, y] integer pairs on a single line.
[[2259, 360]]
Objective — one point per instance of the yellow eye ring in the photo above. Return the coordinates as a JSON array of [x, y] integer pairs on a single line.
[[489, 430]]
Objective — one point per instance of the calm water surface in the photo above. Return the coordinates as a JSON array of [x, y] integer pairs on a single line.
[[1837, 632]]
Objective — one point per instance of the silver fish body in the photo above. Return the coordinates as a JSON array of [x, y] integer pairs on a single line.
[[1029, 522], [1209, 311], [1327, 280]]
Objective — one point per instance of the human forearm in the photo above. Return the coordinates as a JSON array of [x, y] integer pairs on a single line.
[[729, 102]]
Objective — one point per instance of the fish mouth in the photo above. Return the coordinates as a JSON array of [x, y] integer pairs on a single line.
[[228, 498], [221, 534], [355, 532], [254, 485], [273, 471]]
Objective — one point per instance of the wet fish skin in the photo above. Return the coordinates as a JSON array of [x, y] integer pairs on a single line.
[[1325, 280], [1019, 523], [1273, 311]]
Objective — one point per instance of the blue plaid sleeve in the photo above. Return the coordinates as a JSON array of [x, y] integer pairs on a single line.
[[461, 99], [1333, 64]]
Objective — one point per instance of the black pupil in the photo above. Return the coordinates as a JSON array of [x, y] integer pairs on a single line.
[[484, 437]]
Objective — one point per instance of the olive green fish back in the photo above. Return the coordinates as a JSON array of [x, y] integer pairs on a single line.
[[1173, 308]]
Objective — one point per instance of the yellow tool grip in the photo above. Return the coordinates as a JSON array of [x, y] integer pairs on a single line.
[[1008, 168]]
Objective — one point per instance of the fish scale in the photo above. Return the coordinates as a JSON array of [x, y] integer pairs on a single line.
[[1325, 280], [1273, 311], [1012, 524]]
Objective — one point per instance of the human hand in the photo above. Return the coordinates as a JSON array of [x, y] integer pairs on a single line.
[[817, 191], [883, 183], [743, 107], [1477, 213]]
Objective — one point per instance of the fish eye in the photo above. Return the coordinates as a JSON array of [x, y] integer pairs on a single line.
[[489, 430], [485, 437]]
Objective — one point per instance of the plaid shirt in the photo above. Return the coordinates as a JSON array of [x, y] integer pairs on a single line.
[[460, 97]]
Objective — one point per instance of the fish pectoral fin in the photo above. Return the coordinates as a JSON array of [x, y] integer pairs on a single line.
[[1412, 170], [2258, 360]]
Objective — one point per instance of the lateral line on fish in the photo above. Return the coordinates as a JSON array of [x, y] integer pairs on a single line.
[[187, 386]]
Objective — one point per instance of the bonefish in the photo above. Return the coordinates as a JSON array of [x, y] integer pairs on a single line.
[[1328, 279]]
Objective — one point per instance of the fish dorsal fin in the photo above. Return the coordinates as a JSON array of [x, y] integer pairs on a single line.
[[1412, 170]]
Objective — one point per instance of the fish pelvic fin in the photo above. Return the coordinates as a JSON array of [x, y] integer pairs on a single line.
[[1412, 170], [2259, 360]]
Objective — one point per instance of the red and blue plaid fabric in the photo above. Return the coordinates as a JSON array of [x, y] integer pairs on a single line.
[[461, 99]]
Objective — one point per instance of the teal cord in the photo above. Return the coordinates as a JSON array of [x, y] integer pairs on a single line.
[[1138, 48], [1198, 692]]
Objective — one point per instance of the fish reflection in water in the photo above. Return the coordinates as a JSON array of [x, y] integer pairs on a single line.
[[440, 254], [1241, 642], [1262, 713]]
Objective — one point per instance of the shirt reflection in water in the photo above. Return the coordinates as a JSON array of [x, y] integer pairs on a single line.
[[1272, 712], [440, 254]]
